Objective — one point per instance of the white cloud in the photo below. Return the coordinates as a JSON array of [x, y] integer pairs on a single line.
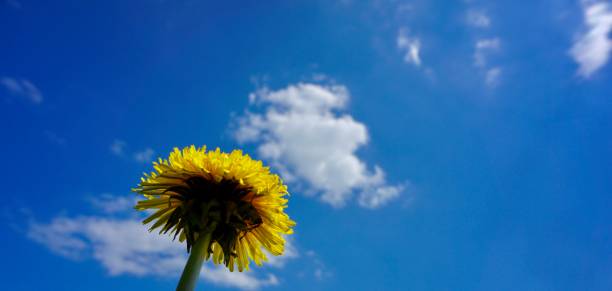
[[23, 88], [55, 237], [492, 76], [144, 156], [321, 272], [478, 18], [381, 197], [111, 204], [118, 147], [491, 43], [289, 253], [483, 48], [319, 77], [411, 46], [125, 247], [242, 280], [305, 138], [592, 49]]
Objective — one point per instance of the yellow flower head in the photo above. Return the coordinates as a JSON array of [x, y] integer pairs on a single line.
[[230, 196]]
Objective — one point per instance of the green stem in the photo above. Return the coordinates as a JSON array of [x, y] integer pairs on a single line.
[[190, 275]]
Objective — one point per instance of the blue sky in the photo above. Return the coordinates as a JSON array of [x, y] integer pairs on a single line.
[[428, 145]]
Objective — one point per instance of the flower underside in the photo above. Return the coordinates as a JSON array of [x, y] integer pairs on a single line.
[[228, 196], [204, 202]]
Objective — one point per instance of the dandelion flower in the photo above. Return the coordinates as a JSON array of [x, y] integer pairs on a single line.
[[225, 206]]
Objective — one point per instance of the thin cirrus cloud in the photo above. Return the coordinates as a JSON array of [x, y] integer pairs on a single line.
[[118, 148], [492, 76], [22, 88], [591, 50], [144, 156], [478, 18], [110, 204], [410, 46], [13, 3], [302, 131], [123, 246], [483, 48]]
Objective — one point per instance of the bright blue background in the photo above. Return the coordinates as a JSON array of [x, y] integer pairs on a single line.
[[511, 186]]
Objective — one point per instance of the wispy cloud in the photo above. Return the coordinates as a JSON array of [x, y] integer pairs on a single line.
[[118, 148], [483, 48], [123, 246], [302, 134], [320, 270], [591, 50], [479, 22], [54, 138], [111, 204], [478, 18], [144, 156], [23, 88], [410, 46], [13, 3], [290, 253], [492, 76]]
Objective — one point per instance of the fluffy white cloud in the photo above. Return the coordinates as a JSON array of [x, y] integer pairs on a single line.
[[23, 88], [123, 246], [303, 134], [592, 49], [478, 18], [411, 46]]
